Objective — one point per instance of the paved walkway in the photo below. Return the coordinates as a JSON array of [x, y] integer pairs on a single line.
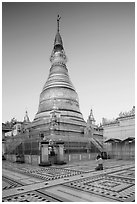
[[75, 182]]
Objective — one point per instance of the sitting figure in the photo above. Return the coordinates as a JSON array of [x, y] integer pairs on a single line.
[[99, 162]]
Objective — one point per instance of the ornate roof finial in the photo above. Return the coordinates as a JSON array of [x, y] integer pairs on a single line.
[[58, 19], [26, 118], [91, 117]]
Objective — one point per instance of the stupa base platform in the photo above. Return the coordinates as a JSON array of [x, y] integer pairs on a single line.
[[45, 164], [60, 162]]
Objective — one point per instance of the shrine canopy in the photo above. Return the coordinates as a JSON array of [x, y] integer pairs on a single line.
[[114, 140], [129, 139]]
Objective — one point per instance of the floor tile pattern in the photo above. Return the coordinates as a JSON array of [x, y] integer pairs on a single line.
[[90, 166], [8, 184], [119, 189], [116, 182], [30, 197], [52, 173], [46, 173], [128, 173]]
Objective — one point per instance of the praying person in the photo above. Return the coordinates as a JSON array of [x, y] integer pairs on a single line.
[[99, 163]]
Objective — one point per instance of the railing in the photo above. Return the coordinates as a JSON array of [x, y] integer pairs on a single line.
[[94, 142], [99, 143], [12, 146]]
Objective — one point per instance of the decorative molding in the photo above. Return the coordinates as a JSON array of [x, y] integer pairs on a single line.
[[122, 115], [126, 114], [106, 121]]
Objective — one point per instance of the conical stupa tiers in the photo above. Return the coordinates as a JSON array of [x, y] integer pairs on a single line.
[[59, 91]]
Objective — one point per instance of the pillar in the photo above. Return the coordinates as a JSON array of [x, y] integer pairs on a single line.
[[60, 152], [3, 149], [39, 156], [44, 156]]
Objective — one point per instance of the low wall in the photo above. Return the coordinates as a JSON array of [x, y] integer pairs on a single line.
[[28, 159], [125, 151], [34, 159], [31, 159], [80, 157], [11, 157]]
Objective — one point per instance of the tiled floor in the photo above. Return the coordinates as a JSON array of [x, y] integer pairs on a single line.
[[75, 182]]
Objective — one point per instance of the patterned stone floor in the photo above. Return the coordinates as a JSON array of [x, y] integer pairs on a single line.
[[75, 182], [7, 183]]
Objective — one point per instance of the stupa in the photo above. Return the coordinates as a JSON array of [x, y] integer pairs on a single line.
[[59, 96]]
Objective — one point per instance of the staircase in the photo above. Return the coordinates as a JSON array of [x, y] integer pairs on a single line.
[[97, 144], [13, 146]]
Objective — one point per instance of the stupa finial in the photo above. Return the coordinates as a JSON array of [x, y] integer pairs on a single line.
[[58, 19]]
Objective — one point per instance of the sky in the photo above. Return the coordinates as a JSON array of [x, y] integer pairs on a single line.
[[99, 41]]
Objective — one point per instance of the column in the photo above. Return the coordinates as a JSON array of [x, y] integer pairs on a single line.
[[60, 152], [3, 149], [44, 160], [39, 157]]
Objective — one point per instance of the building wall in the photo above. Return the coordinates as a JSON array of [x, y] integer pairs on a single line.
[[124, 128], [124, 150]]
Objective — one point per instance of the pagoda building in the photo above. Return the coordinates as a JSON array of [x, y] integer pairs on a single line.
[[58, 109], [58, 119]]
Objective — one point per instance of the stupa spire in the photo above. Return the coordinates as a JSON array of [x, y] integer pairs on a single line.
[[58, 54], [58, 44], [59, 95], [58, 19]]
